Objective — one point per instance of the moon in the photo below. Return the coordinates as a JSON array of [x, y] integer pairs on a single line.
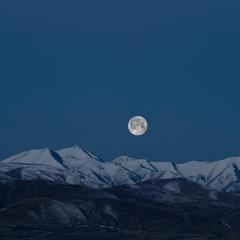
[[137, 125]]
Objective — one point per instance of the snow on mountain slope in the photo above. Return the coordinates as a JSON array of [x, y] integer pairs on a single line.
[[44, 157], [223, 175], [94, 170], [76, 166], [145, 170], [71, 165], [219, 175], [35, 164], [75, 157]]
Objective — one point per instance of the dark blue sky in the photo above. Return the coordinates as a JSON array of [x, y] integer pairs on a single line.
[[74, 72]]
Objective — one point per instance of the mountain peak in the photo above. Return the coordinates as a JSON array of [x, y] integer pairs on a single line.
[[75, 147], [45, 156], [77, 151], [123, 158], [74, 157]]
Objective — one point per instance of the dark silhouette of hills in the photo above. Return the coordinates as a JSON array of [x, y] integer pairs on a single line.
[[154, 209]]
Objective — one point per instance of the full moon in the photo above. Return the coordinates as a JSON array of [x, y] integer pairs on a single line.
[[137, 125]]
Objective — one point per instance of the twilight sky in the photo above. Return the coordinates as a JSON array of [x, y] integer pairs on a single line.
[[74, 72]]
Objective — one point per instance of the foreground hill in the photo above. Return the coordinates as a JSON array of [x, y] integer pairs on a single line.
[[155, 209]]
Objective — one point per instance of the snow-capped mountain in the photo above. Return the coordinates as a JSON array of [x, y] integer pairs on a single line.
[[76, 166], [71, 165], [222, 175]]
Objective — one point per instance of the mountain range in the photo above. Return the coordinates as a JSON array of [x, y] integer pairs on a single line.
[[73, 194], [77, 166]]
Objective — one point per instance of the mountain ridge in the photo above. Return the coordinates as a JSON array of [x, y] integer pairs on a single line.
[[75, 165]]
